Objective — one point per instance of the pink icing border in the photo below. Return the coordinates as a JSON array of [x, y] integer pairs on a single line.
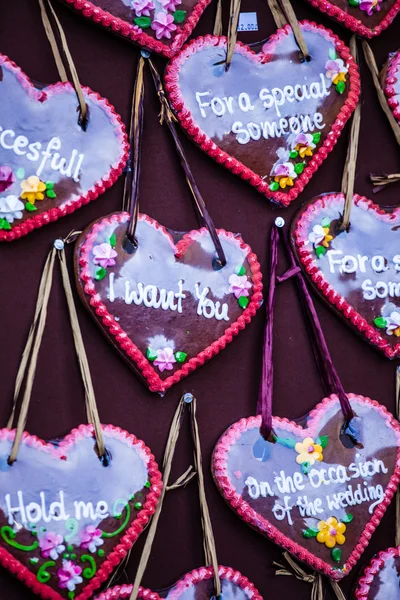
[[124, 591], [121, 27], [392, 77], [69, 206], [300, 229], [371, 570], [250, 516], [188, 580], [232, 164], [119, 552], [351, 22], [128, 348]]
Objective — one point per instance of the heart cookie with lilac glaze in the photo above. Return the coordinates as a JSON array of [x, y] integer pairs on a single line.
[[272, 118], [312, 490], [167, 307], [392, 84], [199, 585], [356, 271], [49, 165], [381, 577], [67, 518], [161, 26]]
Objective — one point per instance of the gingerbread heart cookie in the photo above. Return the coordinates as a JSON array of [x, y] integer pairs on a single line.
[[167, 307], [67, 518], [381, 577], [392, 84], [161, 26], [356, 271], [272, 118], [313, 491], [49, 165]]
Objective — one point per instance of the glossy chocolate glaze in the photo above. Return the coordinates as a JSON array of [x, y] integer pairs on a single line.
[[386, 584], [80, 476], [56, 116], [251, 456], [154, 263], [368, 236], [201, 73]]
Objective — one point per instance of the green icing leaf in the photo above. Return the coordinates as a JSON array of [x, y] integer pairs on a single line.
[[293, 154], [150, 354], [299, 168], [310, 533], [322, 441], [143, 22], [305, 467], [242, 270], [354, 2], [51, 194], [179, 16], [243, 302], [20, 173], [336, 554], [332, 54], [320, 251], [4, 224], [288, 442], [325, 222], [380, 322], [100, 273], [340, 87], [316, 137], [113, 240], [30, 207], [49, 185], [274, 186], [180, 357], [347, 518]]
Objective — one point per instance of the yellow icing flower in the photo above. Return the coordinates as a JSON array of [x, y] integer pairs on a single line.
[[327, 237], [339, 77], [331, 532], [32, 189], [308, 452]]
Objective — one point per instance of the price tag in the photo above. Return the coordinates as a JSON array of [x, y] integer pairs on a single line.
[[248, 21]]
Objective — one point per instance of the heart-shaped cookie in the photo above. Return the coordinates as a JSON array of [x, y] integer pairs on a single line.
[[312, 491], [50, 166], [367, 18], [381, 577], [67, 518], [271, 118], [124, 591], [161, 26], [167, 307], [197, 584], [392, 84], [356, 271]]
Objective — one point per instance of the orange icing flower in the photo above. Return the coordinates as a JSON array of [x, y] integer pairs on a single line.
[[308, 452], [32, 189], [331, 532]]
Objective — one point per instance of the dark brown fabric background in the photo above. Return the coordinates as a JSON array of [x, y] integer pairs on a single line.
[[227, 387]]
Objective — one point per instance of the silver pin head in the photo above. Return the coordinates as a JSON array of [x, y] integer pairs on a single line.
[[279, 221], [145, 53], [59, 244], [188, 398]]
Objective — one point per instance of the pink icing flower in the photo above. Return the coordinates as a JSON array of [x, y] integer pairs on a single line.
[[69, 575], [239, 285], [104, 255], [336, 70], [142, 7], [163, 25], [165, 359], [370, 6], [51, 545], [91, 538], [170, 4], [7, 178], [285, 170]]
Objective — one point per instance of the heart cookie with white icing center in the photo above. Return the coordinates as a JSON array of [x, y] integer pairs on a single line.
[[272, 118], [49, 165], [67, 518], [356, 271], [313, 491], [381, 577], [167, 307]]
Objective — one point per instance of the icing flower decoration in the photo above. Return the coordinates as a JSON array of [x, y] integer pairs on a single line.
[[142, 7], [69, 575], [370, 6], [239, 285], [170, 4], [32, 189], [91, 538], [284, 174], [308, 452], [163, 25], [304, 144], [51, 545], [104, 255], [11, 208], [336, 70], [165, 359], [7, 178], [393, 324], [320, 236], [331, 532]]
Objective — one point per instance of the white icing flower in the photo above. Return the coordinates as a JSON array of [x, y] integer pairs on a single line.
[[317, 235], [159, 342], [393, 324], [11, 208]]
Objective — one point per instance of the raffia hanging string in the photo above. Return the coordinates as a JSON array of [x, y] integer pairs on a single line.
[[218, 28], [232, 31], [283, 13], [208, 538], [349, 172], [30, 355], [277, 14], [46, 5]]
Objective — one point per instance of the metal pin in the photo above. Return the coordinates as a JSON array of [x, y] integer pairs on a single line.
[[188, 398], [59, 244], [279, 221]]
